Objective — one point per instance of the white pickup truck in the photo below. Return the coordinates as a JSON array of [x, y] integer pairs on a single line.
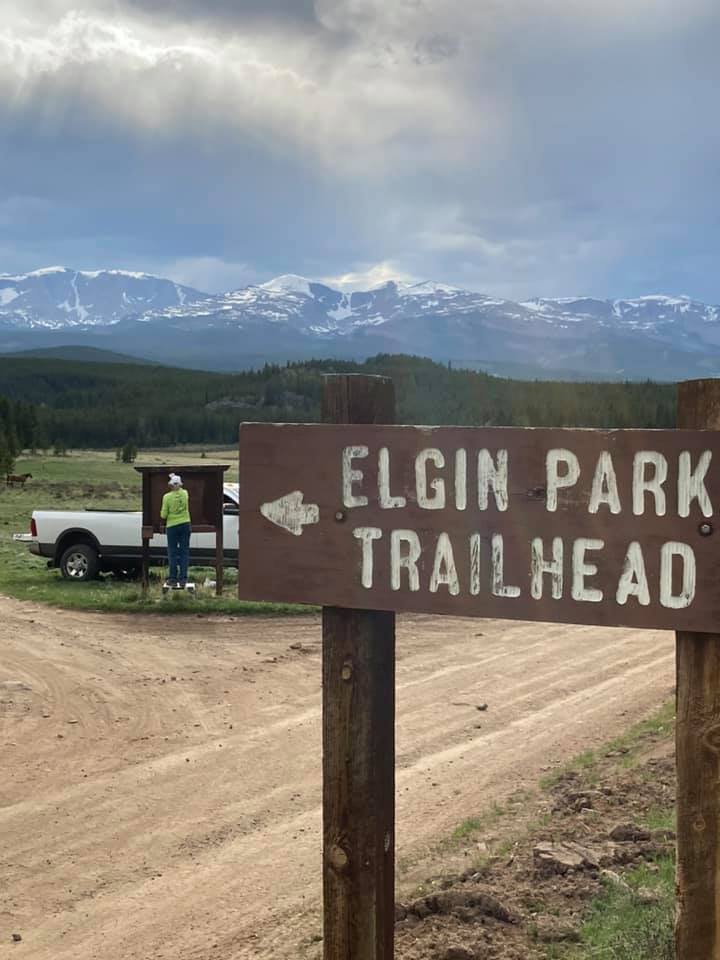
[[83, 543]]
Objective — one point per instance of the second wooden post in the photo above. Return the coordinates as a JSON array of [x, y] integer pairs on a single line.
[[358, 675], [697, 932]]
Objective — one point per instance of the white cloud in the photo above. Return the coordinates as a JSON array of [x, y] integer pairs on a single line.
[[160, 77], [518, 147], [368, 275], [209, 274]]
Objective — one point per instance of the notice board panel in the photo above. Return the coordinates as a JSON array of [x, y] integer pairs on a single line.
[[205, 493]]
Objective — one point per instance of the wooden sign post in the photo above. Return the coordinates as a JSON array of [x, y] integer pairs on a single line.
[[358, 677], [605, 527], [697, 932], [204, 485]]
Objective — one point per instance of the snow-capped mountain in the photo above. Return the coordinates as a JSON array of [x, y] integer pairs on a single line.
[[295, 305], [445, 322], [57, 298], [294, 318], [291, 301]]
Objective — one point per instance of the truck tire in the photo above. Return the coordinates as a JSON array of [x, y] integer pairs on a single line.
[[79, 563]]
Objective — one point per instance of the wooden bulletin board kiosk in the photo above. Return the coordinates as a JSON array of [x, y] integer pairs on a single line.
[[205, 490]]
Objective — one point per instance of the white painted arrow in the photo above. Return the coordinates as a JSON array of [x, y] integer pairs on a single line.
[[290, 513]]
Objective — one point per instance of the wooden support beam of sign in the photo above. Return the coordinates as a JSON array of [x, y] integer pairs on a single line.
[[219, 557], [147, 533], [358, 670], [698, 747], [145, 561]]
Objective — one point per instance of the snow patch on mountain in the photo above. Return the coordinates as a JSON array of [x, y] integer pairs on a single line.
[[342, 311], [7, 295], [287, 284], [426, 288], [43, 272]]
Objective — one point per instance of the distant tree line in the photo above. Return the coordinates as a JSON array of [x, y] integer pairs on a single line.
[[60, 403]]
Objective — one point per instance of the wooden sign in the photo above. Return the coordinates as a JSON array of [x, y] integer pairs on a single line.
[[570, 526], [204, 485]]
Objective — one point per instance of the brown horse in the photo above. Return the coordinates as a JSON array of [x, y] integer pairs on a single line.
[[13, 480]]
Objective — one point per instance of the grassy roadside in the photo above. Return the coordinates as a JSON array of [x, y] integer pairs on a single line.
[[632, 919], [624, 750], [548, 874], [95, 478]]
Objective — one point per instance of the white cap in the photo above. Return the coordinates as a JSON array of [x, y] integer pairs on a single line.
[[175, 480]]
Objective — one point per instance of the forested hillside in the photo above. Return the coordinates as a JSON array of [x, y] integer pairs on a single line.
[[76, 404]]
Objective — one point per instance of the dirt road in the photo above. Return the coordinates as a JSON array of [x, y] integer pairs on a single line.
[[160, 790]]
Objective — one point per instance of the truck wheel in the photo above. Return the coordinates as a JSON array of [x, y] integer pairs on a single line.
[[79, 562]]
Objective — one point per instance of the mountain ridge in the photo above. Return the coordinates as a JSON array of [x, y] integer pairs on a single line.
[[61, 297], [292, 317]]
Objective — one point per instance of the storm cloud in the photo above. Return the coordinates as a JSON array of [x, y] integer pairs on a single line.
[[520, 149]]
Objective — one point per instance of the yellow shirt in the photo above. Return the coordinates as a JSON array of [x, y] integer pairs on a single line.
[[175, 508]]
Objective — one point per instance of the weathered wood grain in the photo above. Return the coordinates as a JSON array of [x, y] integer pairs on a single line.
[[698, 747], [358, 672]]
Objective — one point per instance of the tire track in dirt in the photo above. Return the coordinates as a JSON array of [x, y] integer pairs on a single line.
[[191, 829]]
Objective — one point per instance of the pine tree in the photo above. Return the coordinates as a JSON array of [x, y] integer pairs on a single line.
[[7, 459], [129, 452]]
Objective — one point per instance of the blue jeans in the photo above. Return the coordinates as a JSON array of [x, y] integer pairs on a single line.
[[178, 541]]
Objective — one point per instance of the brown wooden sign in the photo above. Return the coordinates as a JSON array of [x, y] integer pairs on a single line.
[[204, 485], [569, 526]]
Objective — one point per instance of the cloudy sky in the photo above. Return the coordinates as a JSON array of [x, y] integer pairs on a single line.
[[518, 147]]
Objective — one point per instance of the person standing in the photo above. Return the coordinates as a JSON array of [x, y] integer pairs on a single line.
[[175, 511]]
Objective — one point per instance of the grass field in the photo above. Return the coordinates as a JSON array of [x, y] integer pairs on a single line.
[[94, 478]]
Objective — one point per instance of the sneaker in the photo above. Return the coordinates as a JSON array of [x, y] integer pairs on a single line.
[[170, 584]]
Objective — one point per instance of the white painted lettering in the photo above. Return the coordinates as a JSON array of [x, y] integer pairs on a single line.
[[499, 587], [404, 553], [582, 569], [387, 500], [604, 485], [633, 579], [556, 480], [366, 535], [474, 564], [444, 570], [539, 566], [460, 479], [350, 476], [493, 473], [691, 484], [689, 575], [437, 500], [653, 484]]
